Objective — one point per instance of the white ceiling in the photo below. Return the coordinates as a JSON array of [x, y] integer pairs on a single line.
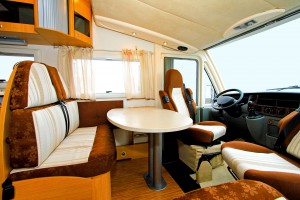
[[196, 24]]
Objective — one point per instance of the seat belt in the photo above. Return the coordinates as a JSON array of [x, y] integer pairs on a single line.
[[190, 105], [286, 131], [66, 115]]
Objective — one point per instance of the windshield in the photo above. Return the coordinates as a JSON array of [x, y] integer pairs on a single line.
[[264, 61]]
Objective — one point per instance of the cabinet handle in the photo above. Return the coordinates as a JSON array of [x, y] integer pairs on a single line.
[[1, 26]]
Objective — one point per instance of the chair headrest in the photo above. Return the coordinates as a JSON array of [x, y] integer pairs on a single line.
[[36, 84], [173, 80]]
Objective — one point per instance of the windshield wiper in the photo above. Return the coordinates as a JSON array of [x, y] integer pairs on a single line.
[[286, 88]]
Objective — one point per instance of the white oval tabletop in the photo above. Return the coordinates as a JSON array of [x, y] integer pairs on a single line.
[[148, 119]]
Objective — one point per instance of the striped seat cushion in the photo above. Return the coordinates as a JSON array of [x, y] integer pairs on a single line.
[[36, 132], [74, 149], [86, 152], [217, 131], [255, 162], [240, 161], [32, 86]]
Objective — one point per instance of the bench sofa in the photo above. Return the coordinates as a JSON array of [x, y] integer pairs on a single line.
[[53, 147]]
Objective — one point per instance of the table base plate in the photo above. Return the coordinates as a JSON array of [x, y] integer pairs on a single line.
[[151, 185]]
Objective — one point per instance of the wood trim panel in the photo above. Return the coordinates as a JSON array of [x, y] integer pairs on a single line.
[[57, 38], [83, 37], [64, 187], [102, 186], [17, 27], [71, 18], [36, 13], [24, 1], [132, 151], [5, 116], [83, 7]]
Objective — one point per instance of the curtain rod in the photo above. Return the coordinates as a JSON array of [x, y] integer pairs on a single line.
[[96, 49], [108, 50]]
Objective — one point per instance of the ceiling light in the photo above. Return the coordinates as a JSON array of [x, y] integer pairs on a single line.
[[165, 43], [133, 33]]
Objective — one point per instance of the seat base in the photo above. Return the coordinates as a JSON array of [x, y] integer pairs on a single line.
[[190, 154], [64, 187]]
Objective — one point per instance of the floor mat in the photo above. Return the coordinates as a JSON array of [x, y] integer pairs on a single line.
[[219, 175], [181, 174]]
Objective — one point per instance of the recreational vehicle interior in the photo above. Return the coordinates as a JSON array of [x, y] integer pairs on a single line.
[[149, 99]]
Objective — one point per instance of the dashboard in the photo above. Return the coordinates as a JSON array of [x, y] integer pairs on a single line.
[[269, 107], [276, 104]]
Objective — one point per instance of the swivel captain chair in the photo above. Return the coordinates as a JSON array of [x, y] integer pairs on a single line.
[[175, 97]]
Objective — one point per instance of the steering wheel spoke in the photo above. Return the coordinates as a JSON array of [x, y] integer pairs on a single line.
[[223, 102]]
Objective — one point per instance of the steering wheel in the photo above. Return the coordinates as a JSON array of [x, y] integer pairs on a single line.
[[225, 102]]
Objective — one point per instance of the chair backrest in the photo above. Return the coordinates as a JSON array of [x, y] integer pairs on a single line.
[[289, 130], [31, 88], [174, 96]]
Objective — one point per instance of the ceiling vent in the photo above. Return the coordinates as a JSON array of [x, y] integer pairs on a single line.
[[249, 22], [12, 40]]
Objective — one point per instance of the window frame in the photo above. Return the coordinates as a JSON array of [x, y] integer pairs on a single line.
[[197, 94], [25, 51], [8, 50], [112, 56]]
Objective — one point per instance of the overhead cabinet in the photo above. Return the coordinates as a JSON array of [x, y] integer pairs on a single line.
[[81, 20], [47, 22]]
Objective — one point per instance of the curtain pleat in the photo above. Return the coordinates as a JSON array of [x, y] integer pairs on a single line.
[[75, 65], [139, 81]]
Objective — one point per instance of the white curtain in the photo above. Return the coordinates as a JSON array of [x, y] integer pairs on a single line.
[[75, 65], [139, 74]]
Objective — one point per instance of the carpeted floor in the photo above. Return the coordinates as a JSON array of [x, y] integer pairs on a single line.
[[181, 174]]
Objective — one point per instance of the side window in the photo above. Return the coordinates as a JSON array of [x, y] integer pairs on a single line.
[[8, 60], [189, 69], [208, 89], [109, 77]]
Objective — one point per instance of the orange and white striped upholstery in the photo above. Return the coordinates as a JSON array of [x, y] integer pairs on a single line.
[[38, 138], [201, 132], [36, 88], [294, 146], [282, 171], [75, 149]]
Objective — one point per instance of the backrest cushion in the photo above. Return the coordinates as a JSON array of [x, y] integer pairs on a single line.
[[32, 86], [58, 83], [174, 88], [294, 146], [179, 101], [66, 89], [73, 115], [285, 122], [35, 133]]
